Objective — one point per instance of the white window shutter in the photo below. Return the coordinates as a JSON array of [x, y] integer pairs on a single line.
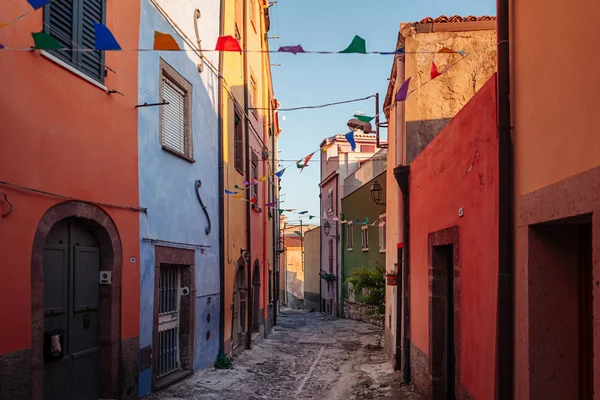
[[173, 118]]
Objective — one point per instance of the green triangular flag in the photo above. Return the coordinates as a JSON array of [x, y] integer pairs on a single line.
[[358, 45], [43, 41], [237, 187], [311, 216], [363, 118], [281, 211]]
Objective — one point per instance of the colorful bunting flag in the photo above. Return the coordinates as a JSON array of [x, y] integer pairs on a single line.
[[446, 50], [164, 41], [306, 160], [273, 204], [303, 212], [327, 147], [403, 91], [357, 221], [291, 49], [104, 39], [43, 41], [279, 174], [311, 217], [358, 45], [281, 211], [398, 51], [230, 192], [366, 221], [238, 196], [350, 139], [335, 219], [38, 3], [237, 187], [363, 118], [1, 46], [263, 178], [254, 200], [434, 71], [462, 53], [228, 43], [246, 183]]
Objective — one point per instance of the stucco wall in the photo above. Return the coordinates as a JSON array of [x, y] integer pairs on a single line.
[[167, 182], [294, 277], [56, 137], [359, 205], [312, 280], [459, 170], [430, 108]]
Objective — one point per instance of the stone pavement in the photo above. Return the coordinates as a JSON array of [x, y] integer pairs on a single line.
[[306, 356]]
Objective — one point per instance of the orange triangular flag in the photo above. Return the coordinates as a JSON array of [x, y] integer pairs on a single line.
[[306, 160], [434, 71], [164, 41], [327, 147], [446, 50], [227, 43]]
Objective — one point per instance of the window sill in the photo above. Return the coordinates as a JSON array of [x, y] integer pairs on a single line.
[[365, 249], [350, 248], [382, 250], [73, 70], [186, 158]]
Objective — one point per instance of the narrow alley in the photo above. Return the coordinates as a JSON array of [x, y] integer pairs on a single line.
[[308, 355]]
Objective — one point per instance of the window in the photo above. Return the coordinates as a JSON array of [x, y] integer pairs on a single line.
[[175, 118], [71, 22], [331, 255], [270, 198], [239, 18], [350, 236], [330, 200], [238, 149], [367, 149], [382, 234], [253, 95], [253, 17], [254, 176], [364, 235]]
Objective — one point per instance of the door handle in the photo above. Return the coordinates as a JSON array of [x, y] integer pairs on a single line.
[[86, 321]]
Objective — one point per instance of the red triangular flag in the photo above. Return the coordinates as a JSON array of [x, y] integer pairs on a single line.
[[306, 160], [227, 43], [434, 71], [254, 200]]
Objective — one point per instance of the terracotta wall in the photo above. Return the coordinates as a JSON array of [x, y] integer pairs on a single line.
[[458, 169], [63, 134]]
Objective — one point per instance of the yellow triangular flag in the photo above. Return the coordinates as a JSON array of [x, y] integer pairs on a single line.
[[164, 41], [327, 147], [262, 178]]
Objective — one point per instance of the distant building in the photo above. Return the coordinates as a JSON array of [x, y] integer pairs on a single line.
[[312, 265], [337, 162], [363, 235]]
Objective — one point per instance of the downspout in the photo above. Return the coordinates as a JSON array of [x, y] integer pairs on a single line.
[[505, 307], [337, 245], [275, 215], [403, 297], [248, 192], [221, 194], [320, 248]]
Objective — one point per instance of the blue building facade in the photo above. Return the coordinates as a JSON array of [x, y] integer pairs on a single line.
[[179, 184]]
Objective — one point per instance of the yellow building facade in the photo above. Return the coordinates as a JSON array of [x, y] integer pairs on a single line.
[[250, 131]]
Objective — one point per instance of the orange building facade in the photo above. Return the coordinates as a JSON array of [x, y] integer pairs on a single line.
[[556, 200], [69, 230]]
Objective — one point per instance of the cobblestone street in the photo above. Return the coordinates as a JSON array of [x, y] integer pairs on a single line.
[[307, 356]]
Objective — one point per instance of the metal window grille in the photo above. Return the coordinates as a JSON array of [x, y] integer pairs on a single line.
[[239, 144], [365, 238], [168, 320], [350, 235], [173, 118]]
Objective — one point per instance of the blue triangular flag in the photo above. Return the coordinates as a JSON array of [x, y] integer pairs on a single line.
[[104, 38], [38, 3], [399, 51], [230, 192], [280, 173], [303, 212], [350, 139]]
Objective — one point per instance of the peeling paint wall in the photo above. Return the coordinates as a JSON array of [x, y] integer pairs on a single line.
[[167, 182]]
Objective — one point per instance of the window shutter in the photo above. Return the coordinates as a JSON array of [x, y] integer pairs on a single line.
[[173, 118], [239, 144], [60, 21], [91, 62]]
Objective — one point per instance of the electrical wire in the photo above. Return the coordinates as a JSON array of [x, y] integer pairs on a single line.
[[317, 106]]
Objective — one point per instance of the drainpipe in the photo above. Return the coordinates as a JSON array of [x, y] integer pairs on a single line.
[[337, 245], [320, 248], [248, 192], [221, 197], [403, 297], [275, 217], [505, 306]]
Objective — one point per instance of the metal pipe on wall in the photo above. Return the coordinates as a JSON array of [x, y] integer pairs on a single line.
[[504, 385], [221, 195]]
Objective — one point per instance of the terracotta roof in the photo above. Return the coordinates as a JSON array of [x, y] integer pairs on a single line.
[[292, 241], [455, 18]]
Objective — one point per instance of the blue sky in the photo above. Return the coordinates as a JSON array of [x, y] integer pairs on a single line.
[[309, 79]]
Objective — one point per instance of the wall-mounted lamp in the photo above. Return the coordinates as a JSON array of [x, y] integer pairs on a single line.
[[327, 230], [246, 255], [376, 193]]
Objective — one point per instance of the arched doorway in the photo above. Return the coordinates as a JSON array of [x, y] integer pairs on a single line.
[[240, 299], [256, 297], [75, 319]]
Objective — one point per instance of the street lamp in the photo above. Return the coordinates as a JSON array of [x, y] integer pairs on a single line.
[[376, 193]]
